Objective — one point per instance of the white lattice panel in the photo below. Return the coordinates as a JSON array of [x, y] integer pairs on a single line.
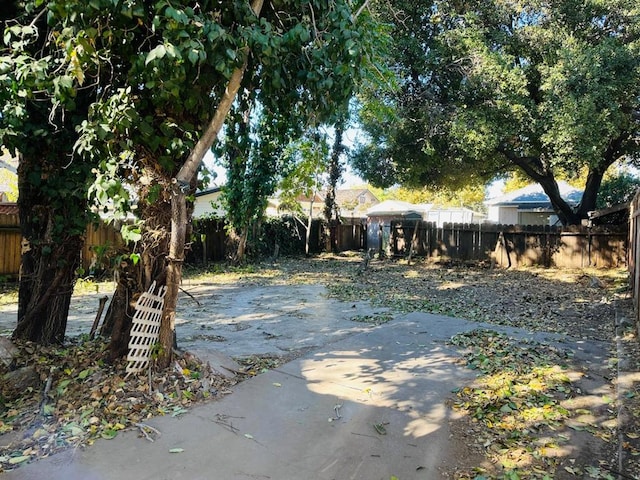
[[145, 330]]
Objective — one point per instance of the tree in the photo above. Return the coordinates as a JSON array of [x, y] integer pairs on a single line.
[[549, 89], [617, 189], [284, 96], [146, 88], [45, 96], [308, 157], [335, 172], [290, 67]]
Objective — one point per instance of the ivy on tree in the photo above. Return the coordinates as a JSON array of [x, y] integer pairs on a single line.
[[134, 85]]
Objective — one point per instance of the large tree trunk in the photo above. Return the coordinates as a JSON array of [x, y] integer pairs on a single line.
[[46, 286], [590, 195], [535, 169], [50, 258], [565, 212], [596, 174], [179, 221], [119, 317], [136, 277]]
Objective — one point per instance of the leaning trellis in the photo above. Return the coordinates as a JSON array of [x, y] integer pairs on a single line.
[[145, 330]]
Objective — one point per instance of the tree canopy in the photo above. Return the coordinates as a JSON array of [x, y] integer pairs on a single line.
[[111, 99], [485, 88]]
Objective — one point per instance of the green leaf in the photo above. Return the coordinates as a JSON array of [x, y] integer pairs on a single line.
[[74, 429], [194, 56], [158, 52], [62, 386], [20, 459], [172, 51], [135, 258], [109, 434], [176, 450]]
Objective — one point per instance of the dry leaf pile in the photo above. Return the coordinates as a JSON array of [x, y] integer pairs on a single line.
[[86, 398], [568, 302], [523, 410]]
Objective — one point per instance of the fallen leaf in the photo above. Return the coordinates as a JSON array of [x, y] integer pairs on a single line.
[[20, 459], [109, 434], [176, 450], [379, 427]]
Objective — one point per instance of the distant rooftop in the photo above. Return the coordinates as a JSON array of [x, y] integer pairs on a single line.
[[534, 194]]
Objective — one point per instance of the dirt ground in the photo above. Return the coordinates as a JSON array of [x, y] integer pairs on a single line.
[[295, 305]]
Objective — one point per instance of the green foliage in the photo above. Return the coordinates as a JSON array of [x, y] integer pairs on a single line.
[[306, 160], [307, 67], [617, 189], [485, 88], [285, 232]]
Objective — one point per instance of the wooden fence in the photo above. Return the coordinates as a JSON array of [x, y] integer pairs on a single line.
[[10, 244], [350, 234], [97, 252], [506, 245], [209, 240], [513, 245]]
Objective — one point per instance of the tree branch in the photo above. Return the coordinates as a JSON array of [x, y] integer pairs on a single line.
[[359, 12], [191, 165]]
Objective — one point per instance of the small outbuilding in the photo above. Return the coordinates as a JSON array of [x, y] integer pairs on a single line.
[[380, 216]]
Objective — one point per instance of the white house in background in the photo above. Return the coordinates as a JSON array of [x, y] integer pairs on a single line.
[[529, 205], [441, 215], [208, 204], [351, 202], [354, 202]]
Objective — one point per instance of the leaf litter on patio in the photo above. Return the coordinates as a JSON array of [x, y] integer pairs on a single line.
[[524, 411], [90, 399]]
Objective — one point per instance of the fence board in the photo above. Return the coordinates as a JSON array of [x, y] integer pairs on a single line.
[[96, 239], [514, 245], [100, 243], [10, 246]]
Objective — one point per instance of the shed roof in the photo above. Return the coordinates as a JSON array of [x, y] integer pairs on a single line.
[[397, 207]]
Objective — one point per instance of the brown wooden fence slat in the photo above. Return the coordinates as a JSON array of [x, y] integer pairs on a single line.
[[515, 245]]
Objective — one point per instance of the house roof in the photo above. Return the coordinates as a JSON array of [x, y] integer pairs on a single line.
[[208, 191], [397, 207], [533, 196], [345, 195], [9, 209], [304, 198]]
